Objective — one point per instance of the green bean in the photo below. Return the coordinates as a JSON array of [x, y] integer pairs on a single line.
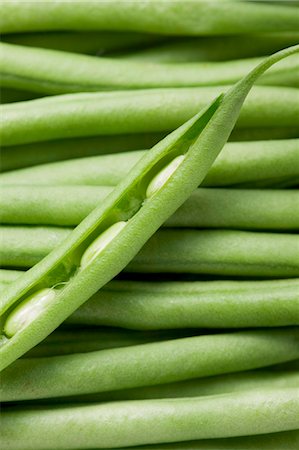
[[20, 156], [215, 304], [93, 426], [271, 441], [215, 252], [205, 208], [55, 72], [246, 163], [217, 48], [114, 232], [147, 364], [220, 384], [94, 42], [179, 18], [196, 304], [141, 111]]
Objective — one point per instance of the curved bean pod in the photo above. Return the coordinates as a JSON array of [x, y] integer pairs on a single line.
[[148, 364], [54, 72], [93, 426], [141, 111], [113, 233], [205, 208], [240, 163], [180, 18], [218, 252]]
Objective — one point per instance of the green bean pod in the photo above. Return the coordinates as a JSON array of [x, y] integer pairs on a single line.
[[252, 164], [55, 72], [205, 208], [180, 18], [140, 111], [104, 243], [270, 441], [147, 364], [93, 426], [215, 252], [196, 304]]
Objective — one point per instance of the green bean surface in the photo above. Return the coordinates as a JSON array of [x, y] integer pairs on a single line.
[[147, 364], [145, 305], [173, 420], [205, 208], [54, 72], [251, 164], [201, 17], [103, 244], [218, 252], [141, 111]]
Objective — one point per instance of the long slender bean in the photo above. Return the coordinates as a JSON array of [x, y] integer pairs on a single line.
[[217, 48], [218, 252], [196, 304], [147, 364], [93, 426], [103, 244], [54, 72], [247, 163], [164, 17], [98, 43], [205, 208], [270, 441], [141, 111]]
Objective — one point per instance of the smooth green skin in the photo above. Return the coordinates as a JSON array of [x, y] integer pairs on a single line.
[[174, 18], [140, 111], [253, 164], [220, 384], [201, 140], [98, 43], [217, 48], [287, 440], [20, 156], [172, 305], [169, 305], [215, 252], [205, 208], [55, 72], [93, 426], [147, 364]]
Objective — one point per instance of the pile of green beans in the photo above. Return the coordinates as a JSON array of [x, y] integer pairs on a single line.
[[149, 218]]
